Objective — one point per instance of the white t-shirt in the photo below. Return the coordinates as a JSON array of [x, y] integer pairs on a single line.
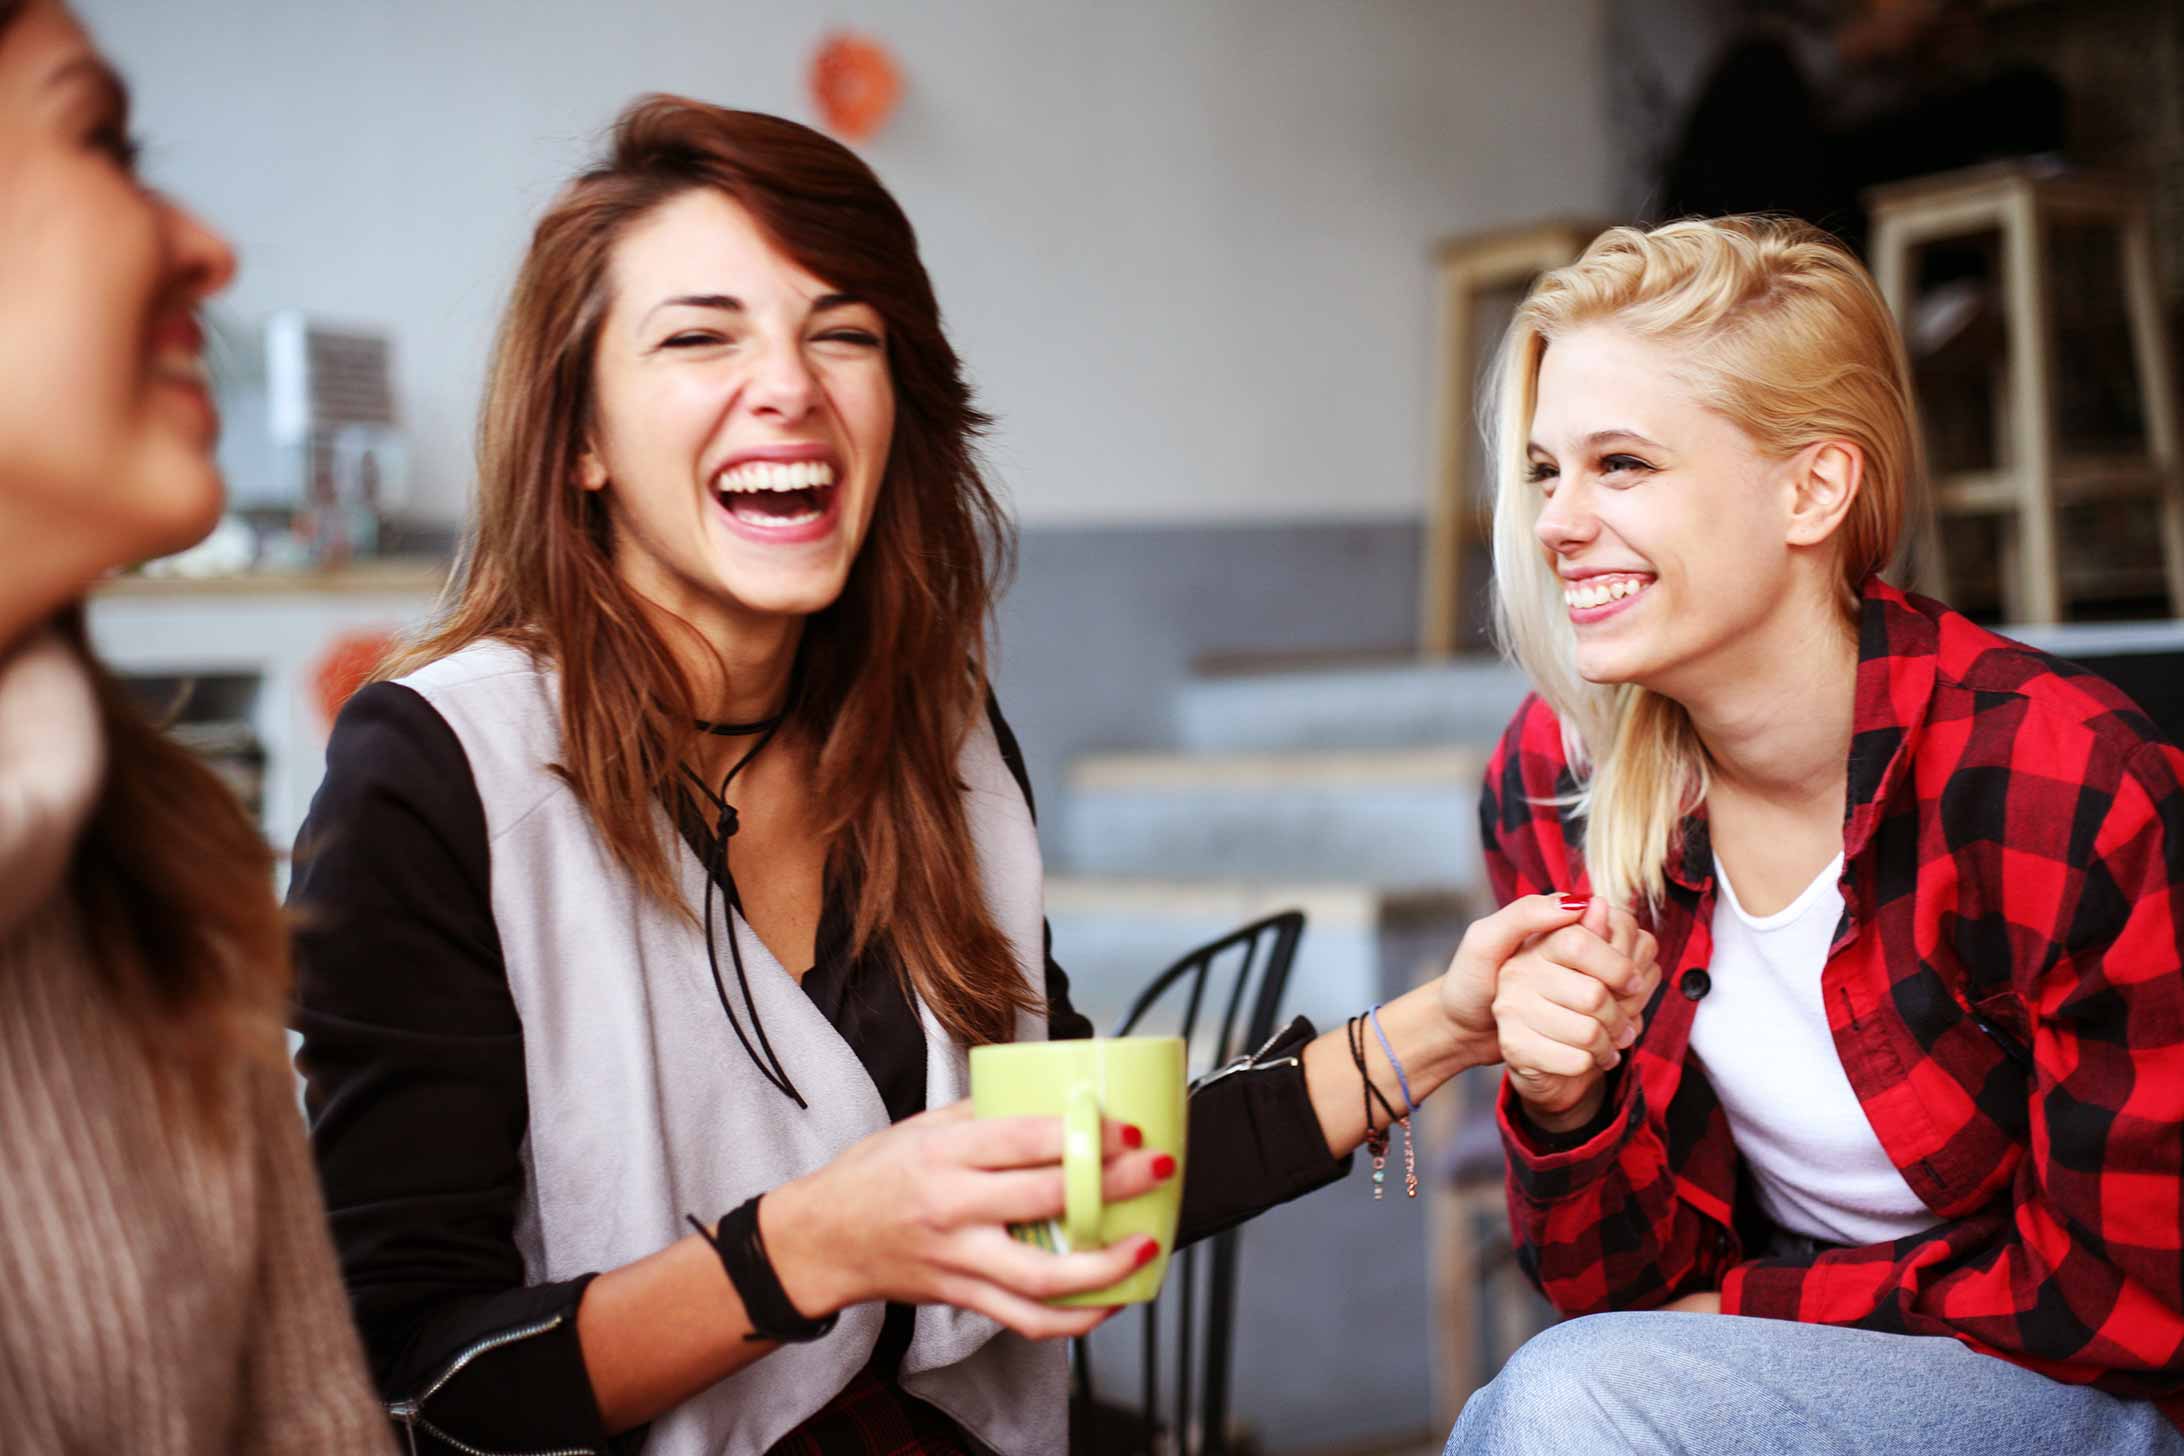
[[1762, 1036]]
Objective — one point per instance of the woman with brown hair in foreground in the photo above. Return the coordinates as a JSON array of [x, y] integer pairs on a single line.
[[169, 1285], [675, 874]]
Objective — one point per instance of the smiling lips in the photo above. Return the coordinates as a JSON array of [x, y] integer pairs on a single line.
[[776, 499], [181, 374], [1593, 598]]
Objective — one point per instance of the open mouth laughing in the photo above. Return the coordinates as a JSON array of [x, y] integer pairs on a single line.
[[784, 501]]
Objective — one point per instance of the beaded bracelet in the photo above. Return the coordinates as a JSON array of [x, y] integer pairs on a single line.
[[1410, 1157], [1376, 1140]]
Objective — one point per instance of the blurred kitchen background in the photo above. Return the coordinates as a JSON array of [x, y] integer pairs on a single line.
[[1226, 271]]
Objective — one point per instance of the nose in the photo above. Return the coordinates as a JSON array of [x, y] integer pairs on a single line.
[[781, 386], [204, 262], [204, 258], [1566, 520]]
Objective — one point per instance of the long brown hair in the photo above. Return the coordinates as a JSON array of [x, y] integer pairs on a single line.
[[893, 674], [174, 884]]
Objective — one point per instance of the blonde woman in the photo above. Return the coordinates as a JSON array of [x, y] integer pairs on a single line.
[[1912, 1088]]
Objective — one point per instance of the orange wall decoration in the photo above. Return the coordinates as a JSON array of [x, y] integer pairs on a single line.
[[348, 660], [855, 84]]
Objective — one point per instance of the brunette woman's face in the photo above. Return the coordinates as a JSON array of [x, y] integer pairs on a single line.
[[1672, 533], [107, 425], [744, 414]]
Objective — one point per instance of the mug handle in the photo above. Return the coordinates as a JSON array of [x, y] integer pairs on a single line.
[[1081, 1168]]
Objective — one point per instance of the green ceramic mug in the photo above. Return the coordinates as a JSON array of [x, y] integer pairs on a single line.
[[1133, 1079]]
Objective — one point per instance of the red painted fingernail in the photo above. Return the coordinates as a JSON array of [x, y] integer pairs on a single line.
[[1164, 1166], [1576, 902], [1133, 1136], [1149, 1252]]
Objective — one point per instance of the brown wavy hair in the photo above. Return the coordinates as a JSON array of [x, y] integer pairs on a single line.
[[893, 674], [175, 884]]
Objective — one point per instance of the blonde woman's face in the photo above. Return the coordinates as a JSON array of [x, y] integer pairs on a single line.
[[1669, 529]]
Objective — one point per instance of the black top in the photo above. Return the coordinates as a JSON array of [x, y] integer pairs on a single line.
[[412, 1053]]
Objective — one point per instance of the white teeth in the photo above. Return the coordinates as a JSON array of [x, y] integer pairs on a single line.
[[1595, 592], [775, 476]]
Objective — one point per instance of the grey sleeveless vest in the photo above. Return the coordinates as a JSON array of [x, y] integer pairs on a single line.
[[643, 1107]]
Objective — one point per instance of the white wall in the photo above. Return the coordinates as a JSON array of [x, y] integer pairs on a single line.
[[1184, 246]]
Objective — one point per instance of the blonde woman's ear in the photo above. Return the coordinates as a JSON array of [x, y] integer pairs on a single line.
[[1827, 477], [591, 471]]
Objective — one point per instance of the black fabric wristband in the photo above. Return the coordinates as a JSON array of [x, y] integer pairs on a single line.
[[743, 1254]]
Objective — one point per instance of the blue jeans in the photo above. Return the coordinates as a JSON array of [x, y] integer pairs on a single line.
[[1725, 1385]]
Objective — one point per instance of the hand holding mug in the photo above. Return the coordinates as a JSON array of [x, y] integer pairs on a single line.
[[918, 1213], [1567, 1005], [1140, 1080]]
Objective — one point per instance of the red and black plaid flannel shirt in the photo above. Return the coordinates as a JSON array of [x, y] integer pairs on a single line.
[[2006, 991]]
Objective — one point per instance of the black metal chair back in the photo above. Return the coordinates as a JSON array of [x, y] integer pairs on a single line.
[[1244, 973]]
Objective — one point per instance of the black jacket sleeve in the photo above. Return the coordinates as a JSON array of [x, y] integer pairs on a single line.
[[1255, 1140], [412, 1057]]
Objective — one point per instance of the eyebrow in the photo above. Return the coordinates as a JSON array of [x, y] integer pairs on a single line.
[[729, 303], [1600, 437]]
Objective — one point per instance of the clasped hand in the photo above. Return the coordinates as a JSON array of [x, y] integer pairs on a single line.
[[1559, 985]]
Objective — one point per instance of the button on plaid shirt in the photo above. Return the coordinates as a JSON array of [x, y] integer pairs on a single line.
[[2006, 992]]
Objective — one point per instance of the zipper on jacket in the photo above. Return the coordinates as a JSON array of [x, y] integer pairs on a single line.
[[1248, 1062], [410, 1413]]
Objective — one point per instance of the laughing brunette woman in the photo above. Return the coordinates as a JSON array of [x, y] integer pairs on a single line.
[[676, 870]]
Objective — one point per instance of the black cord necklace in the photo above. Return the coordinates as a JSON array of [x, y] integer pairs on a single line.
[[724, 829], [741, 730]]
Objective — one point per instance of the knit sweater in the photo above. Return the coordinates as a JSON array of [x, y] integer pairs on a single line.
[[167, 1285]]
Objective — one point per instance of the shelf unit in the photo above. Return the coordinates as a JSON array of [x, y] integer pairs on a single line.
[[240, 653]]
